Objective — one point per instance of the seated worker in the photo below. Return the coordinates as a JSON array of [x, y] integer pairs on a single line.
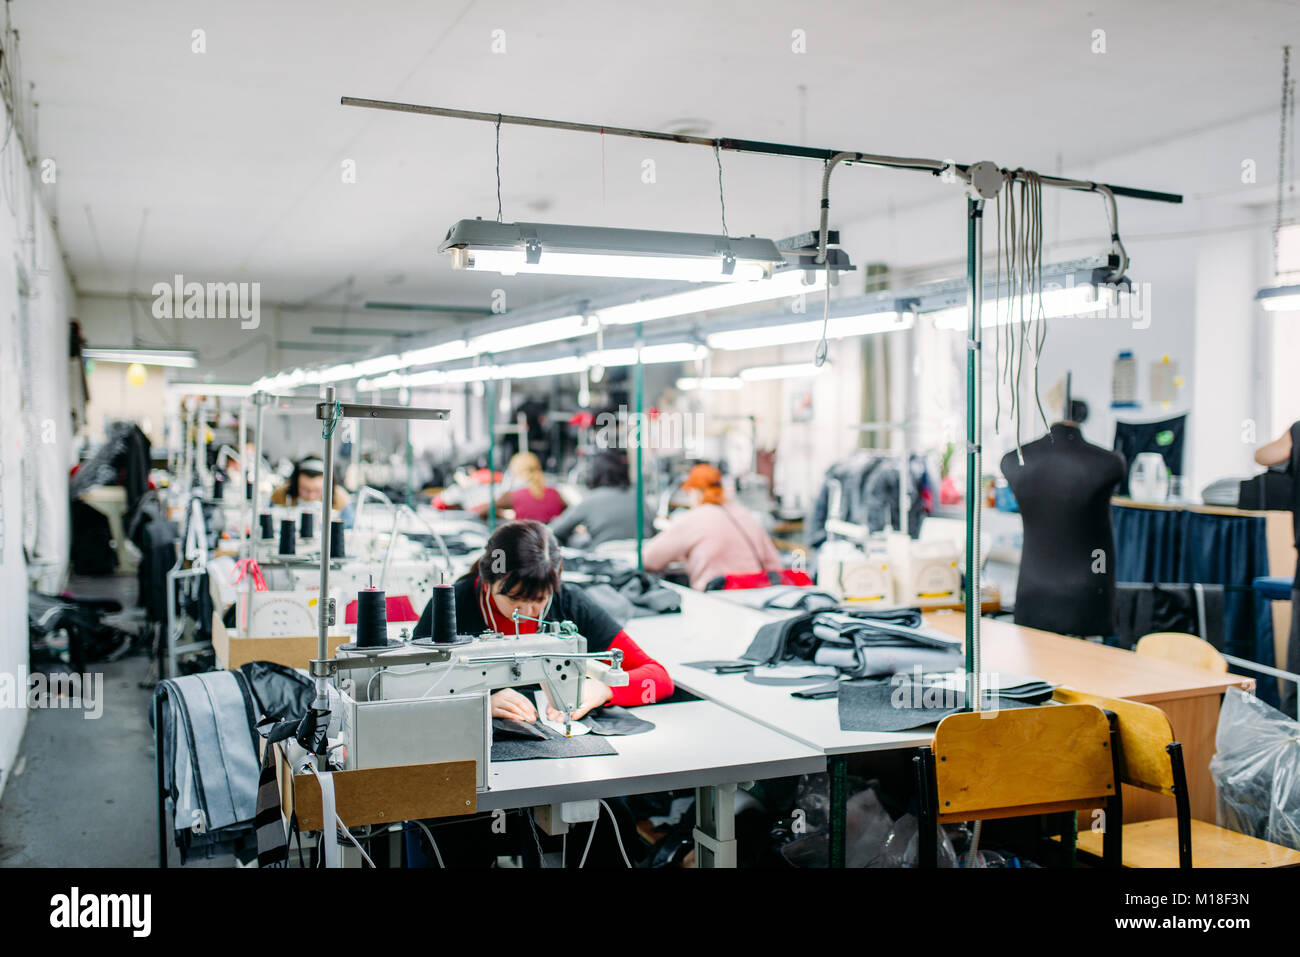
[[608, 512], [307, 484], [714, 537], [535, 499], [520, 569], [1285, 450]]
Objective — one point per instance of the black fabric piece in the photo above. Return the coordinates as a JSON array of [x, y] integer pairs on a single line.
[[570, 603], [722, 667], [613, 719], [786, 682], [281, 692], [1142, 609], [92, 543], [894, 705], [828, 690], [868, 495], [503, 728], [1273, 489], [1067, 568], [512, 745], [1134, 438]]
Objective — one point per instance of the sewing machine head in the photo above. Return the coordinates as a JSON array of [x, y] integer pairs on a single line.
[[416, 703]]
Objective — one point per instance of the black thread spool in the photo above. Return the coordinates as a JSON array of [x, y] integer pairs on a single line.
[[248, 490], [336, 540], [305, 526], [372, 618], [444, 614], [287, 539], [218, 487], [268, 525]]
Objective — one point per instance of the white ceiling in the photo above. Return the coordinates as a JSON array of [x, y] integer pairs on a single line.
[[226, 165]]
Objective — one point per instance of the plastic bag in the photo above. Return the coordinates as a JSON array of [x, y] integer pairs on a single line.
[[866, 824], [1257, 770], [900, 848]]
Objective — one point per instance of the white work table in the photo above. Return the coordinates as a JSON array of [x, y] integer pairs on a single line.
[[694, 744], [710, 628]]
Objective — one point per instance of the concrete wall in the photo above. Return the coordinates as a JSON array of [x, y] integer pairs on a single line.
[[36, 301]]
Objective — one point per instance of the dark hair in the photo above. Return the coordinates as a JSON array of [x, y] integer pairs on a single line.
[[608, 470], [524, 557], [299, 471]]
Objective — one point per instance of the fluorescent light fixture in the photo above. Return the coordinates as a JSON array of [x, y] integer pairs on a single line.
[[1279, 298], [709, 384], [532, 334], [791, 370], [173, 358], [1082, 300], [787, 282], [549, 249], [839, 327], [650, 355], [443, 352]]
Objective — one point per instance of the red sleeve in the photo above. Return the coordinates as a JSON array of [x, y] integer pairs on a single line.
[[647, 679]]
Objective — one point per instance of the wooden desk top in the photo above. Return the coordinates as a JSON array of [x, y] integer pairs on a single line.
[[1224, 510], [1087, 666]]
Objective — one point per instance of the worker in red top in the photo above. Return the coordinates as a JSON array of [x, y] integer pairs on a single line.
[[520, 570]]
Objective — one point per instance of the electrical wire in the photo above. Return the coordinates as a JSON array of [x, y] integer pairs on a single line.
[[498, 167], [722, 198], [618, 834], [432, 843], [532, 826]]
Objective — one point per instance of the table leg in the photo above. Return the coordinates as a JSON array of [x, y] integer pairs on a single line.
[[838, 770], [715, 826]]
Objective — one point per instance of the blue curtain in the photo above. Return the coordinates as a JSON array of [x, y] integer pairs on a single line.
[[1161, 546]]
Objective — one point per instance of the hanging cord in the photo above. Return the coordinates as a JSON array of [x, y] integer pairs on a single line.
[[722, 199], [327, 430], [1283, 111], [498, 167], [1040, 314], [819, 357]]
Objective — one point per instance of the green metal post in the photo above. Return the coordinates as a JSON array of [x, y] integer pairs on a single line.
[[974, 454], [639, 388], [492, 454]]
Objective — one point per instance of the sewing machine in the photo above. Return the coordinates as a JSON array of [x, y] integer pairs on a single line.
[[417, 702]]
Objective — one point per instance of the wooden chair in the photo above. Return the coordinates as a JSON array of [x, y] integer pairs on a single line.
[[1148, 757], [1182, 648], [1021, 762]]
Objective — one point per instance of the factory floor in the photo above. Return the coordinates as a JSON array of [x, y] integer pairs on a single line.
[[81, 793]]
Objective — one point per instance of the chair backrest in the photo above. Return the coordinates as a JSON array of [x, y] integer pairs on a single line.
[[1144, 734], [1023, 761], [1182, 648]]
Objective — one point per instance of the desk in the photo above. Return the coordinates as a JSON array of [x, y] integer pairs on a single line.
[[694, 744], [711, 627]]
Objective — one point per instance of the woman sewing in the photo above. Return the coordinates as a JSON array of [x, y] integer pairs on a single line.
[[520, 571], [1285, 450]]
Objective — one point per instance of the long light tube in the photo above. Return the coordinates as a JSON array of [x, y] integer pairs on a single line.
[[172, 358], [839, 327], [532, 334], [553, 249], [710, 384], [782, 284], [1279, 298], [791, 370]]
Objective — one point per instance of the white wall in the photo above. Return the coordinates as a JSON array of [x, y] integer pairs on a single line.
[[35, 431]]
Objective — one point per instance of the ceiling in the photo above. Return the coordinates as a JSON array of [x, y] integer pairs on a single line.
[[227, 165]]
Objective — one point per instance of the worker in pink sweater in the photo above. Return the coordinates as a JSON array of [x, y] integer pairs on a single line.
[[714, 537]]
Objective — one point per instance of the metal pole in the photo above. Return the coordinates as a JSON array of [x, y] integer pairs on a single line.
[[492, 454], [639, 388], [261, 401], [920, 164], [323, 601], [974, 454]]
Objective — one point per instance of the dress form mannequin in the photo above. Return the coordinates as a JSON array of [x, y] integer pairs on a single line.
[[1067, 566]]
